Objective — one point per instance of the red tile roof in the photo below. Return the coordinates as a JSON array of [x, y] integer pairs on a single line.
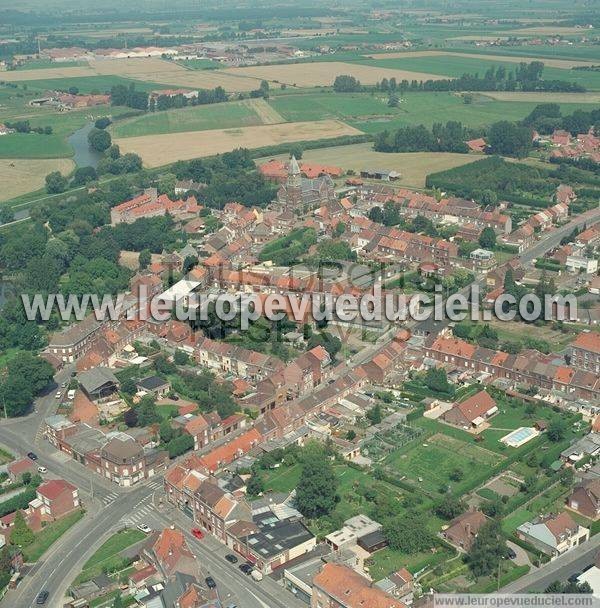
[[55, 487], [588, 341], [230, 451], [351, 589]]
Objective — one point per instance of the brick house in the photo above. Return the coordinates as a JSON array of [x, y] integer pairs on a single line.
[[58, 498], [337, 586], [472, 412], [462, 530], [585, 499], [585, 352]]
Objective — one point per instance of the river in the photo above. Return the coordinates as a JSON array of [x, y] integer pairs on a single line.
[[83, 155]]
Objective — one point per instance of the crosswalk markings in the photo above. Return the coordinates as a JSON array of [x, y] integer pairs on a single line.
[[109, 498], [138, 516]]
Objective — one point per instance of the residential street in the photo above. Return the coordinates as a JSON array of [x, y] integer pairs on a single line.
[[110, 508]]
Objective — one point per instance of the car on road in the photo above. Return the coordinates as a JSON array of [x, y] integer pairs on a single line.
[[144, 528], [42, 470], [246, 568], [32, 455], [42, 597], [198, 533], [210, 582], [232, 559]]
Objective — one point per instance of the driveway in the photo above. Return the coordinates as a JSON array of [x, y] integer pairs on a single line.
[[522, 558]]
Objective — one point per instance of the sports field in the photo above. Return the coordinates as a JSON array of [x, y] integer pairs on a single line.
[[158, 150], [19, 176], [413, 166], [323, 73]]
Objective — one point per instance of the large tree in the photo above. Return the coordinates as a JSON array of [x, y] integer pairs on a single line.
[[488, 549], [408, 534], [316, 493], [509, 139]]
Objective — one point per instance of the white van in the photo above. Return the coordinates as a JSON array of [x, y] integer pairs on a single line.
[[71, 394]]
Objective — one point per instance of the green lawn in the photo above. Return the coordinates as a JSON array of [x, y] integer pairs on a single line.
[[384, 562], [49, 535], [453, 67], [432, 460], [195, 118], [115, 544], [511, 522], [107, 558]]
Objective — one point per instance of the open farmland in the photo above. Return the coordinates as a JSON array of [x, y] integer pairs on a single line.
[[454, 66], [565, 64], [142, 69], [19, 176], [194, 118], [543, 97], [158, 150], [428, 108], [323, 73], [414, 166]]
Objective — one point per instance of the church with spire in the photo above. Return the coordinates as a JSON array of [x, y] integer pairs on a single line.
[[299, 193]]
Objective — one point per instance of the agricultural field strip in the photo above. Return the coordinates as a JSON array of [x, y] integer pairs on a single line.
[[158, 150], [565, 64], [324, 73]]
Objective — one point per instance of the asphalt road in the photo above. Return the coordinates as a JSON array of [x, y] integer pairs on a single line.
[[572, 562], [109, 508]]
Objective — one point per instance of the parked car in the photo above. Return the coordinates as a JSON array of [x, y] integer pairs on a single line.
[[144, 528], [42, 470], [198, 533], [42, 597], [232, 559], [573, 578], [511, 554], [256, 575], [246, 568], [58, 395], [210, 582], [32, 455]]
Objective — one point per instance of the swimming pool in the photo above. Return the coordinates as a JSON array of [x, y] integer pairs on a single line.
[[520, 436]]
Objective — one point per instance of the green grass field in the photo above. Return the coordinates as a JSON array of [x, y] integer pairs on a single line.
[[115, 544], [453, 67], [587, 52], [49, 535], [200, 64], [370, 113], [91, 84], [32, 145], [38, 64], [195, 118], [297, 108]]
